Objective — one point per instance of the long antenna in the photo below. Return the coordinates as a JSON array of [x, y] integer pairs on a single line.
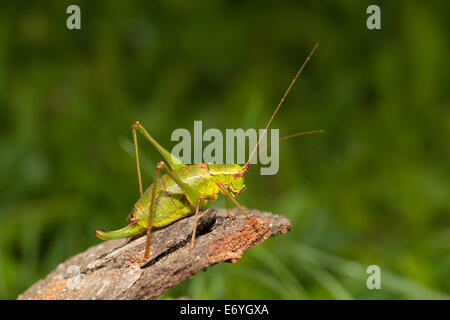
[[247, 164], [301, 134], [293, 136]]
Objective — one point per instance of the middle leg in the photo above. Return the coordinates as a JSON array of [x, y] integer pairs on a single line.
[[152, 207], [197, 209]]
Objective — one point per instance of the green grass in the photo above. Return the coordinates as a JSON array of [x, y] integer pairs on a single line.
[[373, 189]]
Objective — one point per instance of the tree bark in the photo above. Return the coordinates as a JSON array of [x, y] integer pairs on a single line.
[[115, 269]]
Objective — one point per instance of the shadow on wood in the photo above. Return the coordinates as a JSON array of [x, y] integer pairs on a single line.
[[110, 271]]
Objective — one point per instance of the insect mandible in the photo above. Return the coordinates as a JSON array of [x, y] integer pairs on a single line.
[[184, 189]]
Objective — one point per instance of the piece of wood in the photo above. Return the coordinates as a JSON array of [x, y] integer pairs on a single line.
[[114, 269]]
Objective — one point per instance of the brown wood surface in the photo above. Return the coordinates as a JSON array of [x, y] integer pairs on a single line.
[[115, 269]]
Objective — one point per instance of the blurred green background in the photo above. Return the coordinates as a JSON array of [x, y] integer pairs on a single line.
[[374, 189]]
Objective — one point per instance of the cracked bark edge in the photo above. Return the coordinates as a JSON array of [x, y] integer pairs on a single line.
[[109, 270]]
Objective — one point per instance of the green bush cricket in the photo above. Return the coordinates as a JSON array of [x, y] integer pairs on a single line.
[[184, 189]]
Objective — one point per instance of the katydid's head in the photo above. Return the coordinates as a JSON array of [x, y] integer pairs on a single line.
[[237, 185], [228, 176]]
